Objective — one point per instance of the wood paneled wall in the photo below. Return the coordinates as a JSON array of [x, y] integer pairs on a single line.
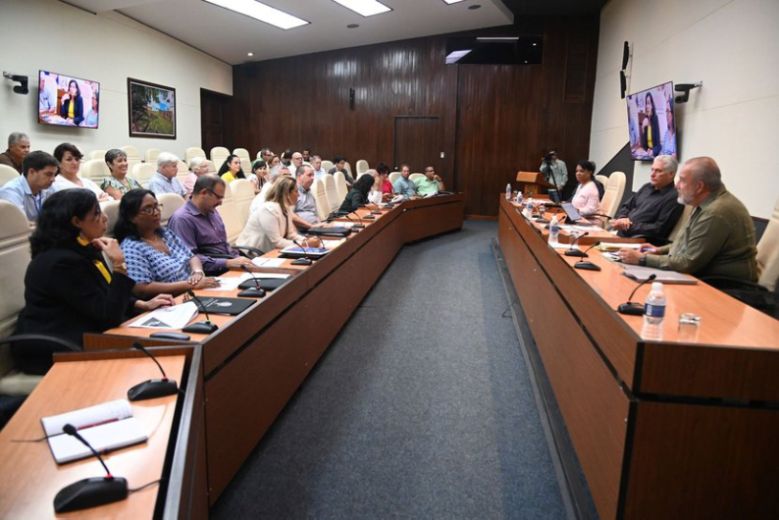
[[495, 120]]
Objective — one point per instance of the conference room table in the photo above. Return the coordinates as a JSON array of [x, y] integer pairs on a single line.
[[254, 362], [668, 421], [161, 467]]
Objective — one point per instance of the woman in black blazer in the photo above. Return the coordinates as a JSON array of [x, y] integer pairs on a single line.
[[358, 195], [69, 288], [72, 99]]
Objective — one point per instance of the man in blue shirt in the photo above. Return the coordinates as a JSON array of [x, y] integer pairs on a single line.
[[404, 186], [164, 179], [33, 187]]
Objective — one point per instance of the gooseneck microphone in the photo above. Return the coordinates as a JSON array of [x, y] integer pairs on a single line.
[[634, 308], [572, 251], [89, 492], [337, 214], [586, 264], [200, 327], [305, 260], [152, 388], [252, 292]]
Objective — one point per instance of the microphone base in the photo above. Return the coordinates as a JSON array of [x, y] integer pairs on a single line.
[[90, 492], [253, 292], [369, 217], [576, 253], [587, 266], [201, 327], [358, 226], [631, 309], [302, 261], [152, 389]]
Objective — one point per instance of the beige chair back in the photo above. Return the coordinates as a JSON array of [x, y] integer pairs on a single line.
[[194, 151], [340, 187], [95, 170], [151, 155], [235, 208], [143, 172], [243, 195], [768, 252], [96, 154], [327, 165], [211, 168], [332, 194], [394, 176], [612, 196], [602, 179], [414, 176], [219, 155], [14, 257], [7, 174], [320, 196], [170, 203], [133, 154], [110, 209], [362, 166], [242, 153], [348, 168]]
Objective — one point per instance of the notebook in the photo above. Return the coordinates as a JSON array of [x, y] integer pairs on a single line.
[[640, 274]]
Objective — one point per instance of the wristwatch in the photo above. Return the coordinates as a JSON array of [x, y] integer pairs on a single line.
[[642, 260]]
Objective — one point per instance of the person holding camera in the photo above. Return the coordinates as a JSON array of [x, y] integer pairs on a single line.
[[555, 171]]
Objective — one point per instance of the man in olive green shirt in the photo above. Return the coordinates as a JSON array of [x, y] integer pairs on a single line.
[[719, 239]]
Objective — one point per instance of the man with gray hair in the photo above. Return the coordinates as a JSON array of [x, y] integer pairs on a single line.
[[305, 214], [653, 211], [719, 239], [164, 179], [18, 148]]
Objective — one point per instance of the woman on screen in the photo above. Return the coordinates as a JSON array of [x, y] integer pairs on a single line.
[[586, 198], [69, 287], [72, 108], [650, 127]]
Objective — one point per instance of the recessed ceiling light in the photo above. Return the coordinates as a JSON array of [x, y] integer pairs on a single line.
[[353, 26], [450, 2], [474, 7], [364, 7], [261, 12], [250, 54], [534, 44], [455, 56]]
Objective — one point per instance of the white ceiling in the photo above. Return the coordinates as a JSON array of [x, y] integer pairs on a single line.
[[229, 36]]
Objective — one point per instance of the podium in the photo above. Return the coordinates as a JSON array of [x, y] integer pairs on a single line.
[[532, 183]]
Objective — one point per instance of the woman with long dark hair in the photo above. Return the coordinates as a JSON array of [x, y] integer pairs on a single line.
[[72, 104], [358, 195], [70, 288], [650, 127], [231, 169], [157, 259]]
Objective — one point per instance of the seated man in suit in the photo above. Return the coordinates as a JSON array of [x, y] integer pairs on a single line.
[[201, 229], [719, 239], [653, 211]]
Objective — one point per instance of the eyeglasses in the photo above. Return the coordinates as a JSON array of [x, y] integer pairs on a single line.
[[215, 194], [151, 210]]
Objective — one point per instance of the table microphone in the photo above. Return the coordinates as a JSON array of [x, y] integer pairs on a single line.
[[200, 327], [89, 492], [305, 260], [252, 292], [572, 251], [153, 387], [634, 308], [357, 225]]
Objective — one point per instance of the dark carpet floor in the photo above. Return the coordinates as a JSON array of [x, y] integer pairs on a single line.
[[421, 408]]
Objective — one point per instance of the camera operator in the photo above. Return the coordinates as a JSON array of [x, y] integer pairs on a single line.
[[554, 171]]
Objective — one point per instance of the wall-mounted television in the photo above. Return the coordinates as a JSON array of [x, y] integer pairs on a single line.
[[651, 123], [67, 101]]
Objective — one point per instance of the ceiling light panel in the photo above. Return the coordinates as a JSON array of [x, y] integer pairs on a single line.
[[450, 2], [364, 7], [261, 12]]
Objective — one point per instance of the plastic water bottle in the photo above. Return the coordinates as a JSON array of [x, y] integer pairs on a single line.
[[654, 307], [508, 191], [554, 230], [518, 199]]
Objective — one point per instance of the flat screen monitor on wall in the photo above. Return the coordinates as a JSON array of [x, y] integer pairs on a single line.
[[651, 122], [67, 101]]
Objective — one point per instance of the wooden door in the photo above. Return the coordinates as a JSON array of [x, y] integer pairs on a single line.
[[215, 117], [419, 143]]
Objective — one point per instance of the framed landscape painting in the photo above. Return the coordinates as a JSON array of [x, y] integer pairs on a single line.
[[152, 109]]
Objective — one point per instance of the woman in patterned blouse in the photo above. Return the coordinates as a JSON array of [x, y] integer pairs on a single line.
[[118, 183], [157, 259]]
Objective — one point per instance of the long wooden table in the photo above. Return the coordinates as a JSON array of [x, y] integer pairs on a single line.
[[665, 423], [256, 361], [31, 477]]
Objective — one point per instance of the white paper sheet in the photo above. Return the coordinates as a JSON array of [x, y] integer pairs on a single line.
[[174, 317]]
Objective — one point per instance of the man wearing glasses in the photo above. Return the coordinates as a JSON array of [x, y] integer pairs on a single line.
[[200, 227], [431, 184]]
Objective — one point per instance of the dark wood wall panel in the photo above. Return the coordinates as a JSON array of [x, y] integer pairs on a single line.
[[494, 119]]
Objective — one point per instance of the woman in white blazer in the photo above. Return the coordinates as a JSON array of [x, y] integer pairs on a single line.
[[271, 226]]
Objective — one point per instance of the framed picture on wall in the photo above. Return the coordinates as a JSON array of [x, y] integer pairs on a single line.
[[152, 109]]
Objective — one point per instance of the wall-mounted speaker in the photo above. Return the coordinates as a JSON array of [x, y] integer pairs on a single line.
[[623, 84], [625, 55]]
